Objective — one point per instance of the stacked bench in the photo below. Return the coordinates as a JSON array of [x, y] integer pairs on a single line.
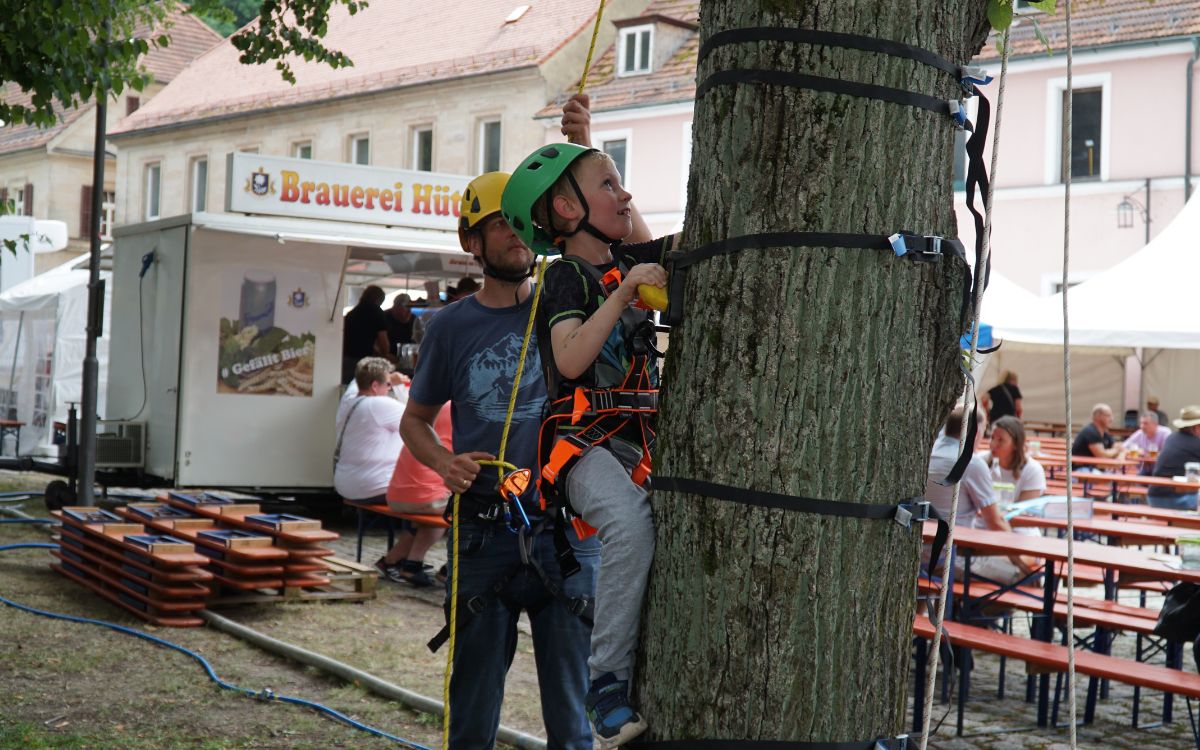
[[157, 577]]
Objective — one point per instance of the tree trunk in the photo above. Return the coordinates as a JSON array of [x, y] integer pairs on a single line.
[[813, 372]]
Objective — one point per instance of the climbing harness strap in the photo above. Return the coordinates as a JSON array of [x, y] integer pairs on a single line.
[[582, 607]]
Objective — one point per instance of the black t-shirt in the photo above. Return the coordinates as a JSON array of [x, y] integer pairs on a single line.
[[399, 332], [1087, 436], [573, 293], [1004, 401], [360, 329], [1180, 448]]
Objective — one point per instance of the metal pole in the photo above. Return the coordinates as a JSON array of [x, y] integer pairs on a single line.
[[1147, 212], [91, 367]]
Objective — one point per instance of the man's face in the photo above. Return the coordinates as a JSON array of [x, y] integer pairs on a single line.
[[1149, 426], [1152, 405], [1104, 418], [504, 249]]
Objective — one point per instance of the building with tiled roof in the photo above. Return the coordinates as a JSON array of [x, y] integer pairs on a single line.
[[47, 171], [448, 92]]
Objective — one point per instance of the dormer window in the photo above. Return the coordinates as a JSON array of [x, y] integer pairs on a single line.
[[634, 48]]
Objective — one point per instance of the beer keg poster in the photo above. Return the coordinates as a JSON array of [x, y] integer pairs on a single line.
[[267, 347]]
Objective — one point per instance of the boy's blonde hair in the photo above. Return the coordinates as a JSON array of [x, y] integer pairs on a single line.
[[543, 212]]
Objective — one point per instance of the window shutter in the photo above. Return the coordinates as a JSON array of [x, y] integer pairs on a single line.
[[4, 195], [85, 212], [132, 103], [29, 199]]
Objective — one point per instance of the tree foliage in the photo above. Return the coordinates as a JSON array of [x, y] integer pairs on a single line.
[[60, 54], [231, 15]]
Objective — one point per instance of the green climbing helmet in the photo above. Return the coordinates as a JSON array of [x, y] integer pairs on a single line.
[[529, 182]]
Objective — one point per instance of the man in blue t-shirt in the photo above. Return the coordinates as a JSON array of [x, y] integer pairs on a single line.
[[469, 357]]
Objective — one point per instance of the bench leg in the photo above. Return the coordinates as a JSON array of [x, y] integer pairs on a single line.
[[1137, 690], [362, 520], [964, 686], [1174, 661], [1005, 627]]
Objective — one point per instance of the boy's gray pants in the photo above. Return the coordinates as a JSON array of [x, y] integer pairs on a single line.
[[602, 493]]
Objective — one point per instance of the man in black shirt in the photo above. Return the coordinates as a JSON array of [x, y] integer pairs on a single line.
[[1181, 448], [1095, 440], [400, 322], [364, 331], [1005, 398]]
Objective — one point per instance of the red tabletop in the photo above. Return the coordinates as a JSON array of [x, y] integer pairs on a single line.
[[1185, 519], [1138, 479], [1125, 532]]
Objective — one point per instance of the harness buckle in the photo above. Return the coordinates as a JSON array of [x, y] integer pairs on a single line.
[[970, 76], [926, 248], [903, 516], [958, 113], [492, 513]]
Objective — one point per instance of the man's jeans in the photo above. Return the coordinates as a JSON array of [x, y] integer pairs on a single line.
[[1185, 501], [485, 646]]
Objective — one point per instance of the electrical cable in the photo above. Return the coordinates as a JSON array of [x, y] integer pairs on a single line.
[[265, 694], [147, 260]]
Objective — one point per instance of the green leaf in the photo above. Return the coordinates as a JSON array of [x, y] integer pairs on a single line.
[[1046, 6], [1037, 30], [1000, 14]]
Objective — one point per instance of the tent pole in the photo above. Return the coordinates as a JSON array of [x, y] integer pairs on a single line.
[[12, 378], [91, 367]]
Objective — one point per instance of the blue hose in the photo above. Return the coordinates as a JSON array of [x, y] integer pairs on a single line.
[[265, 694], [28, 520]]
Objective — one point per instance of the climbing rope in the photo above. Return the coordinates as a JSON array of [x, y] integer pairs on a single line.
[[1070, 634], [968, 399], [500, 463]]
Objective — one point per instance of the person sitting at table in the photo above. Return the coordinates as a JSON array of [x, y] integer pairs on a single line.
[[1148, 440], [417, 489], [1180, 449], [1095, 440], [977, 507], [1010, 464]]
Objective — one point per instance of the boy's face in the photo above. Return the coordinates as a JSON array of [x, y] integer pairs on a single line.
[[504, 249], [608, 202]]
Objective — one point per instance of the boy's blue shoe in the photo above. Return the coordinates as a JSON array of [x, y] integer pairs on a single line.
[[614, 722]]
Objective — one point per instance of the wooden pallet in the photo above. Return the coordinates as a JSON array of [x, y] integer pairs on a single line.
[[348, 581]]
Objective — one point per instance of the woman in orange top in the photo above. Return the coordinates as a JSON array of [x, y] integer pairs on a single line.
[[415, 488]]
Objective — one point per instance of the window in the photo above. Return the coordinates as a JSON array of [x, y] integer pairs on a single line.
[[199, 183], [302, 150], [360, 149], [618, 145], [1090, 127], [489, 146], [19, 202], [616, 150], [422, 148], [108, 214], [1086, 133], [131, 104], [153, 183], [634, 50]]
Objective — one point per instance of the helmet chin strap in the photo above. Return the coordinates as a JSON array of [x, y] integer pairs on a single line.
[[584, 224]]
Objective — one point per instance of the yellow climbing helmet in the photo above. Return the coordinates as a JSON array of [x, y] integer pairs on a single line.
[[480, 200]]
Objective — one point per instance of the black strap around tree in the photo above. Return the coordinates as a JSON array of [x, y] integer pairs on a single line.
[[821, 83], [827, 39], [901, 513], [896, 743]]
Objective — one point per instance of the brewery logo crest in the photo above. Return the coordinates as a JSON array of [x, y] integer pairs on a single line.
[[298, 299], [260, 183]]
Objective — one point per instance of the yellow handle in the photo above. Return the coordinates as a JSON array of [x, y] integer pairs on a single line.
[[654, 297]]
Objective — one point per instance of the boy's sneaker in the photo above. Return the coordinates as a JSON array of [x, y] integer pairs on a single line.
[[614, 722], [413, 573]]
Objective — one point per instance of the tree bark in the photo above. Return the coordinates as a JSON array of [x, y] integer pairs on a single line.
[[812, 372]]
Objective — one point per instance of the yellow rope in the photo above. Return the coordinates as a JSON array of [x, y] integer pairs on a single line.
[[587, 64], [499, 462], [512, 398]]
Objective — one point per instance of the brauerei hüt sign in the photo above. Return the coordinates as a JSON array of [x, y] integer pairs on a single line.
[[278, 186]]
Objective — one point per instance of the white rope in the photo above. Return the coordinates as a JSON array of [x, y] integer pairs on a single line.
[[968, 398], [1067, 158]]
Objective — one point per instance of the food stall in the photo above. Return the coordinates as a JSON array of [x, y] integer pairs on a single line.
[[226, 331]]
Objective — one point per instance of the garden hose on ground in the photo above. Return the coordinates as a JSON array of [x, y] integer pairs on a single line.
[[265, 694]]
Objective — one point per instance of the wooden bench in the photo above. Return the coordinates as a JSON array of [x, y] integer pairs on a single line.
[[1050, 658], [365, 513]]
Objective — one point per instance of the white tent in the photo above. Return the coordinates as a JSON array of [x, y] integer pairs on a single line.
[[1140, 308], [43, 339]]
